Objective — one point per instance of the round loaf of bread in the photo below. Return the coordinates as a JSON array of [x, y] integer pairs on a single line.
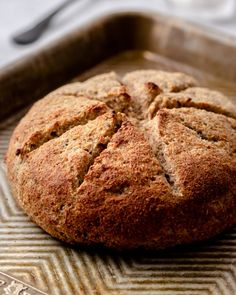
[[147, 160]]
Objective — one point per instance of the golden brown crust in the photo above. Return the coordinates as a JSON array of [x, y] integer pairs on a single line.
[[159, 175], [106, 88], [145, 85], [197, 97]]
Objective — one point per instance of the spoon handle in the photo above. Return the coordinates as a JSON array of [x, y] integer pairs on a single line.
[[34, 32]]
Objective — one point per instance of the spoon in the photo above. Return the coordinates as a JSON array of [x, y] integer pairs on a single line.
[[34, 32]]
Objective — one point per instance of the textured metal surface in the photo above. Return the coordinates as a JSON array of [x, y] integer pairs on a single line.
[[31, 262]]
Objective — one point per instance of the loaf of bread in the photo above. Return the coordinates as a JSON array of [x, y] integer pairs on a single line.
[[147, 160]]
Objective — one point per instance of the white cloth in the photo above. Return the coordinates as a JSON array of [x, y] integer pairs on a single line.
[[15, 15]]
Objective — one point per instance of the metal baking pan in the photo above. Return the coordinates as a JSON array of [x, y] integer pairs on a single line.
[[31, 262]]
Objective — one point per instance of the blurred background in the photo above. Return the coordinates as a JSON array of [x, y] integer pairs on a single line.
[[18, 15]]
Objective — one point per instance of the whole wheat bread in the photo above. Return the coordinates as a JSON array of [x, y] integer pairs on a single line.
[[146, 160]]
